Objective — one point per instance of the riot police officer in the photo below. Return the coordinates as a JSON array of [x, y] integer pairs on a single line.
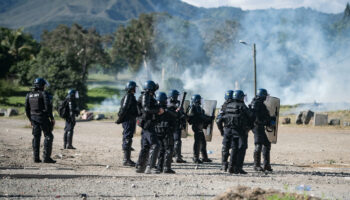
[[247, 125], [235, 117], [149, 108], [226, 144], [127, 116], [199, 121], [73, 111], [39, 112], [174, 105], [262, 119], [164, 128]]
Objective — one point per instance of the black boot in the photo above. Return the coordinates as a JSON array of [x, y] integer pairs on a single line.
[[65, 138], [177, 152], [224, 157], [161, 158], [153, 155], [167, 161], [257, 160], [142, 161], [196, 153], [205, 157], [240, 161], [232, 169], [267, 165], [36, 149], [48, 149], [70, 140], [127, 161]]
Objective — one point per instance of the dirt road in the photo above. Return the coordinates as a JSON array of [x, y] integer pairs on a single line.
[[316, 157]]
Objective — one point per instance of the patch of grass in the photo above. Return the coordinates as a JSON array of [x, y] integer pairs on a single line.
[[285, 108], [331, 162], [281, 197], [15, 97], [100, 77], [99, 94]]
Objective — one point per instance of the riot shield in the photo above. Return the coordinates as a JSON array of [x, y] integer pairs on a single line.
[[209, 107], [184, 129], [273, 105]]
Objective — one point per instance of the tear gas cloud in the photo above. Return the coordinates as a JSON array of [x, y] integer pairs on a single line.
[[296, 60]]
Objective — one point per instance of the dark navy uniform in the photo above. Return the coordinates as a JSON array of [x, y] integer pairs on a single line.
[[179, 123], [233, 119], [127, 116], [149, 108], [164, 129], [39, 111], [262, 119], [199, 121], [73, 111]]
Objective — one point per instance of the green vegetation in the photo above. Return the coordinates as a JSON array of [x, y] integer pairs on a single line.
[[97, 95], [68, 51], [279, 197], [14, 97]]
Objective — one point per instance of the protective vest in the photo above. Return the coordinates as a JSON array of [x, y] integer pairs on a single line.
[[233, 115], [36, 102]]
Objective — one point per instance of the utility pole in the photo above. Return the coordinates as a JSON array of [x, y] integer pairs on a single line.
[[254, 61]]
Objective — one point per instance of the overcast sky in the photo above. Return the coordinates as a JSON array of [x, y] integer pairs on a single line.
[[327, 6]]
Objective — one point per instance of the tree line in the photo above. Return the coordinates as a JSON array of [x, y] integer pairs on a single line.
[[65, 54]]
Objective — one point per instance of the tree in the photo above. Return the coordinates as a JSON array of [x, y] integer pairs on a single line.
[[67, 53], [15, 46], [133, 43]]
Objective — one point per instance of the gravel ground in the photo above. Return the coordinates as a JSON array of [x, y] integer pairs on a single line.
[[316, 157]]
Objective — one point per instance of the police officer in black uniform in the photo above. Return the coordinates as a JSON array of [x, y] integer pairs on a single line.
[[174, 105], [199, 121], [262, 119], [150, 109], [247, 125], [39, 112], [164, 128], [226, 144], [73, 111], [234, 117], [127, 116]]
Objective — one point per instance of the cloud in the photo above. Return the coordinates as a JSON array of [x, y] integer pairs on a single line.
[[326, 6]]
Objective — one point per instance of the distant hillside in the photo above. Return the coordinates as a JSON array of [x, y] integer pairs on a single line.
[[106, 15], [36, 15]]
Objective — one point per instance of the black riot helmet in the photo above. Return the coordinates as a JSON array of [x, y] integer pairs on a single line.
[[262, 93], [173, 95], [71, 93], [228, 94], [162, 99], [130, 86], [196, 99], [150, 86], [39, 83], [238, 95]]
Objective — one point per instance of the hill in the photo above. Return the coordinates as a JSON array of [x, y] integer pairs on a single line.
[[105, 16]]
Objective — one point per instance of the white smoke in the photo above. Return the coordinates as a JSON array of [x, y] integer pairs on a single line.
[[296, 61], [281, 39]]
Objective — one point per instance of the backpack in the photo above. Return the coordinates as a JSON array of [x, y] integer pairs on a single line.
[[63, 109], [234, 116]]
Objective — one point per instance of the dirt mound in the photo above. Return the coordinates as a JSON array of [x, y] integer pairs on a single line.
[[242, 192]]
